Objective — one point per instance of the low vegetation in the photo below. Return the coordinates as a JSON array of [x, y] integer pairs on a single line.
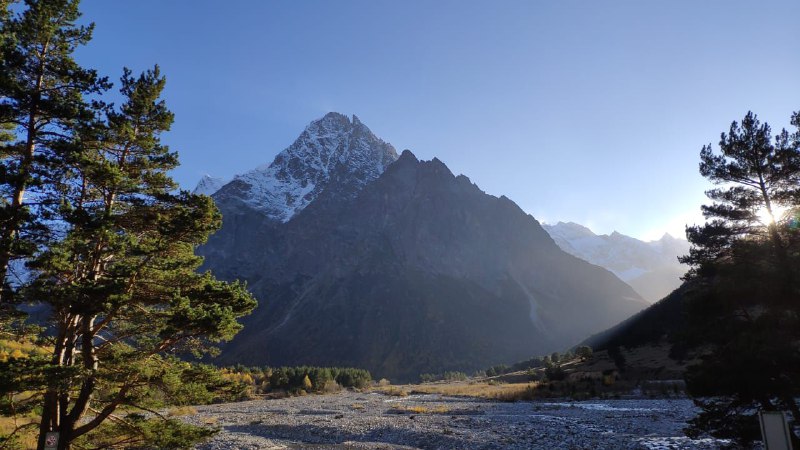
[[480, 389], [19, 431], [177, 386], [418, 409], [299, 380], [21, 349], [447, 376], [578, 375]]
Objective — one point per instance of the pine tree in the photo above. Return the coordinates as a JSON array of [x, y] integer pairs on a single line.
[[122, 284], [758, 177], [44, 95], [88, 203], [743, 296]]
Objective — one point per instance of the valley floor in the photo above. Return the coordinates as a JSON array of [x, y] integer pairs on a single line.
[[431, 421]]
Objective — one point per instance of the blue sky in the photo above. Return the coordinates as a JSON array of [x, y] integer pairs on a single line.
[[591, 111]]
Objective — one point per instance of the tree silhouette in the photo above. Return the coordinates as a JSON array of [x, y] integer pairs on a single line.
[[743, 299]]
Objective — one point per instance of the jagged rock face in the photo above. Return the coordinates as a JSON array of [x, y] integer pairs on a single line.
[[332, 154], [651, 268], [418, 271]]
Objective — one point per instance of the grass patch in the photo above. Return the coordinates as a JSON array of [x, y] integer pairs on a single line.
[[393, 391], [27, 436], [516, 393], [493, 390], [210, 420], [182, 411], [418, 409]]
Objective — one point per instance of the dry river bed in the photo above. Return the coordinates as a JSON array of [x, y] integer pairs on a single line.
[[376, 421]]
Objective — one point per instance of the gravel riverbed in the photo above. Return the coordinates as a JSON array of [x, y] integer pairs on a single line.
[[376, 421]]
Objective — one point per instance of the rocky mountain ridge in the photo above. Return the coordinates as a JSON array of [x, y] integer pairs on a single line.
[[414, 271], [333, 151]]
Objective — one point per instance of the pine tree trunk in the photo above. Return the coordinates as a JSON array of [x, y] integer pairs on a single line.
[[775, 237], [65, 435], [50, 415], [52, 412]]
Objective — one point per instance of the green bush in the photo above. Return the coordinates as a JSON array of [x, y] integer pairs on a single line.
[[294, 379]]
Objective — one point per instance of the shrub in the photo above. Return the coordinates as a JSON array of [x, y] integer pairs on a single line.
[[427, 378], [555, 373], [583, 352]]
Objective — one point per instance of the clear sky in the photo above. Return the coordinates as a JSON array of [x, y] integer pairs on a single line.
[[585, 111]]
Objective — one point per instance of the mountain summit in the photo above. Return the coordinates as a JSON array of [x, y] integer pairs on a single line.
[[208, 185], [396, 265], [332, 151]]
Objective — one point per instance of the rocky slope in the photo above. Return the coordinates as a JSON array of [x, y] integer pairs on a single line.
[[402, 271]]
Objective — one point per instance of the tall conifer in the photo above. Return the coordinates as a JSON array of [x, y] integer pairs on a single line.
[[743, 295], [122, 284], [758, 177], [88, 204], [44, 96]]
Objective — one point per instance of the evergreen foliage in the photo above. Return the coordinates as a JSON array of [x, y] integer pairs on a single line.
[[499, 369], [446, 376], [757, 177], [89, 204], [583, 352], [742, 291], [44, 98], [532, 363], [555, 373], [293, 379]]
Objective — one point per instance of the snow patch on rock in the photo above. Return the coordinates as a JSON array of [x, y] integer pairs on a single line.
[[644, 265], [208, 185], [332, 152]]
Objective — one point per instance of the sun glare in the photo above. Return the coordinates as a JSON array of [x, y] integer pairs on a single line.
[[777, 211]]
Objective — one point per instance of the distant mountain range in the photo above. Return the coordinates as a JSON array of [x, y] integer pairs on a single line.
[[651, 268], [363, 258]]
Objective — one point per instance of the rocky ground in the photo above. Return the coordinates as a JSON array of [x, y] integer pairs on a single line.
[[376, 421]]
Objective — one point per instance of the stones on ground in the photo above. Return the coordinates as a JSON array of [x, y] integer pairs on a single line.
[[617, 424]]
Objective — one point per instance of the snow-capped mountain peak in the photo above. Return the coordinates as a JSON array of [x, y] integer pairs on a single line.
[[651, 268], [333, 153], [208, 185]]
